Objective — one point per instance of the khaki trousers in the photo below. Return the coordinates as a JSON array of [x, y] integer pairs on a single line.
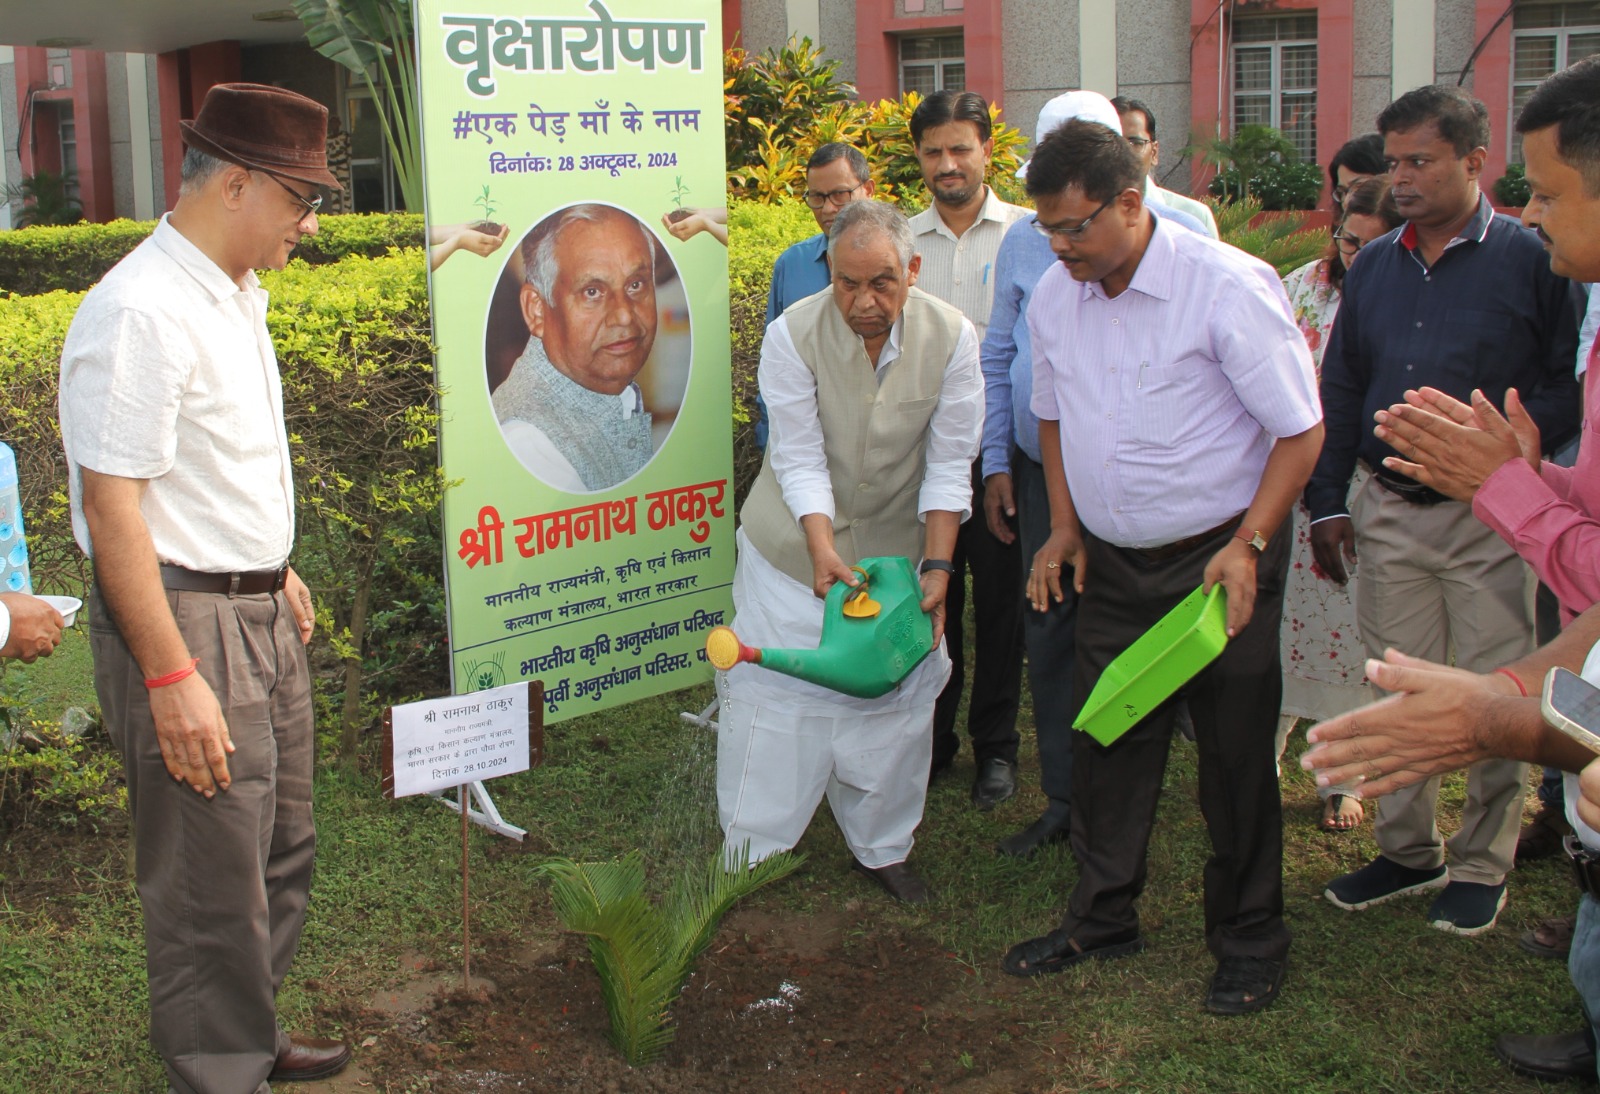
[[223, 883], [1435, 579]]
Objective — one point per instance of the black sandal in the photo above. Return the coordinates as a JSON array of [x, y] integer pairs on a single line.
[[1059, 950]]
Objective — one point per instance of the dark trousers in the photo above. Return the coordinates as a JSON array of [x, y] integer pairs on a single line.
[[996, 570], [1115, 788], [1048, 638]]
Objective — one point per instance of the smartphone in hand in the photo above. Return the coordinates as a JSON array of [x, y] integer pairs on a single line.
[[1572, 704]]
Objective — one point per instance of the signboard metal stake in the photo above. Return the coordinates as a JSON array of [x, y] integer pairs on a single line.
[[466, 889]]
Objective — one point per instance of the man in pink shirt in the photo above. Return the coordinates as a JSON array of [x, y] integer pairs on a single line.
[[1549, 514], [1440, 719]]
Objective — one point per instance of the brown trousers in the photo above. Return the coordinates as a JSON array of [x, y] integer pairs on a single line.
[[223, 883]]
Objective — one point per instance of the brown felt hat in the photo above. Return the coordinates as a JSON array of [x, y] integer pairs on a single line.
[[266, 129]]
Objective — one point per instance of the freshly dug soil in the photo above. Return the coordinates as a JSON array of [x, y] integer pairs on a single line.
[[680, 214], [777, 1004]]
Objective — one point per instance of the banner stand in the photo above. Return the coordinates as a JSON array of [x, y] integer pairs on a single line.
[[485, 814], [706, 719]]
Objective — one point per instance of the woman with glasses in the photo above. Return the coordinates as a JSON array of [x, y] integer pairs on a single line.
[[1323, 658], [1356, 161]]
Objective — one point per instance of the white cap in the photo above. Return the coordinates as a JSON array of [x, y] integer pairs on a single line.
[[1089, 106]]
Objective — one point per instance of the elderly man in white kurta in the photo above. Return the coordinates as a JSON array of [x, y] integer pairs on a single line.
[[876, 406]]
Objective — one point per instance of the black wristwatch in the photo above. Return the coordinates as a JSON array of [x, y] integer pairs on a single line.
[[943, 564]]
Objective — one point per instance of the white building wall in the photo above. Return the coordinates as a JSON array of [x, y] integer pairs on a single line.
[[1412, 56]]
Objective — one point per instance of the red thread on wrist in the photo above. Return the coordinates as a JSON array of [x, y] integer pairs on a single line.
[[172, 677], [1514, 679]]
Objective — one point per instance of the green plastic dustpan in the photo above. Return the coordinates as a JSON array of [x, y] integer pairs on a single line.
[[1162, 660]]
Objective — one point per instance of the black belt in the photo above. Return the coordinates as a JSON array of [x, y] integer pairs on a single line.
[[249, 583], [1182, 546], [1585, 866], [1407, 489]]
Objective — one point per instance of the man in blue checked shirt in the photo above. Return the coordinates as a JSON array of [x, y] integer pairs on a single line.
[[1014, 489]]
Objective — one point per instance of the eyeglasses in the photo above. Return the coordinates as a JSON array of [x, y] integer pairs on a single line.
[[1075, 231], [1139, 142], [312, 205], [1348, 241], [1342, 191], [832, 197]]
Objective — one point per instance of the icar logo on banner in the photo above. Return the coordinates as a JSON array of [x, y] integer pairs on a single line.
[[583, 348]]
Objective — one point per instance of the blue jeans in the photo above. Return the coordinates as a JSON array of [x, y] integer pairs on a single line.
[[1583, 963], [1047, 637]]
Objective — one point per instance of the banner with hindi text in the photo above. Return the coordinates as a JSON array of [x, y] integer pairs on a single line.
[[583, 342]]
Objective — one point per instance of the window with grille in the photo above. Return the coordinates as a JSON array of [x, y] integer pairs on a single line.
[[1546, 38], [1275, 76], [933, 63]]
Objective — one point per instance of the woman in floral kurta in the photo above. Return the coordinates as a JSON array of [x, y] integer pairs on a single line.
[[1323, 657]]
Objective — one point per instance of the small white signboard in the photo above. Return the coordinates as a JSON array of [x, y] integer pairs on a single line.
[[441, 743]]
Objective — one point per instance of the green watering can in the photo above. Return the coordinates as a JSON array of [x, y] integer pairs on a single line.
[[873, 635]]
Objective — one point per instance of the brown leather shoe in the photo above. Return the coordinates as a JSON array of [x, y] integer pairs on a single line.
[[309, 1058], [1541, 837], [1551, 938], [897, 879]]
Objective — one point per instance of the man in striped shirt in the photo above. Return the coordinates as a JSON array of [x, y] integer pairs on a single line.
[[959, 236]]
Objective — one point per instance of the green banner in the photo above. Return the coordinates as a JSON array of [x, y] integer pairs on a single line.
[[583, 348]]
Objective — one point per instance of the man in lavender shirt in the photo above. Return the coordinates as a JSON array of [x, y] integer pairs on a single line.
[[1178, 421]]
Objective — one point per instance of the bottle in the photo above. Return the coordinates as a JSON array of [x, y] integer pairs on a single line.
[[14, 576]]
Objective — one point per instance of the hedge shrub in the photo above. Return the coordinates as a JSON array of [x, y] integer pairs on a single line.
[[353, 342], [757, 235], [73, 258]]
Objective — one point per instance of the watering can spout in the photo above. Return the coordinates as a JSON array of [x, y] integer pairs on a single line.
[[873, 635]]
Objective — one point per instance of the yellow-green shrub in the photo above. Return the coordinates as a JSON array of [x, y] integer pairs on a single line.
[[39, 260], [353, 342]]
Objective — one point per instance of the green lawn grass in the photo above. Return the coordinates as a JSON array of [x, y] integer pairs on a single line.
[[1375, 1001]]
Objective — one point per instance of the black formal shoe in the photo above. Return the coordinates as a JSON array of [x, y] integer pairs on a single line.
[[996, 782], [1059, 950], [897, 879], [1551, 1056], [1047, 829], [309, 1058], [1244, 984]]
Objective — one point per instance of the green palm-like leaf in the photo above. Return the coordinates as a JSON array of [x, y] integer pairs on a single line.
[[642, 953], [347, 32], [373, 39]]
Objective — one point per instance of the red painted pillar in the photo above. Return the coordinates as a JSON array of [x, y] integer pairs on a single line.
[[171, 106], [983, 38], [1205, 77], [732, 22], [211, 64], [877, 51], [33, 76], [1336, 63], [1491, 84], [92, 127]]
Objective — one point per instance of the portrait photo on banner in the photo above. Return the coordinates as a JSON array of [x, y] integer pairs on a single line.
[[587, 347]]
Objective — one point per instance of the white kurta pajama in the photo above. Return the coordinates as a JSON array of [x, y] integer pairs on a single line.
[[784, 742]]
